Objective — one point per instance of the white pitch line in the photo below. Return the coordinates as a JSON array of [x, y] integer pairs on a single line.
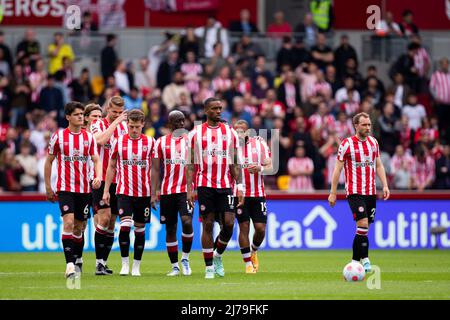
[[26, 273]]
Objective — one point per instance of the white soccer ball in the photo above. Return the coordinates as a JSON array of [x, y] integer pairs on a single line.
[[354, 271]]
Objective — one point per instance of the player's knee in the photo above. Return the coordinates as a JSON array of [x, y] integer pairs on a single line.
[[363, 223], [208, 226], [260, 229], [244, 228]]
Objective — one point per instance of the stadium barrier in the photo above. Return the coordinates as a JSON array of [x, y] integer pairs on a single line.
[[295, 222]]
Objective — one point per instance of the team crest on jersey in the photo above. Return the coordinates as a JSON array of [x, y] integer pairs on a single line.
[[144, 148], [122, 132], [254, 150], [86, 143], [361, 209], [224, 137]]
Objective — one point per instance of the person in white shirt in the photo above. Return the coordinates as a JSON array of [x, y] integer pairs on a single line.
[[210, 34], [121, 77], [342, 94], [414, 111]]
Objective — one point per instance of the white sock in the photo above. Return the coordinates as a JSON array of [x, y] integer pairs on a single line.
[[355, 261], [70, 264], [79, 260], [136, 264], [216, 254], [184, 256], [99, 261], [125, 260], [175, 265], [209, 268], [248, 263]]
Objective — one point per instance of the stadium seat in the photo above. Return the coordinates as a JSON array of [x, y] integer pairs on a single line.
[[283, 182]]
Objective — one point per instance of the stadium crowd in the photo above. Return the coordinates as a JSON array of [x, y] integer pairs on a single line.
[[310, 96]]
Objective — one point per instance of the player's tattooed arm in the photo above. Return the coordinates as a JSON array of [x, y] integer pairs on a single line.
[[51, 196], [103, 137], [110, 174], [156, 165]]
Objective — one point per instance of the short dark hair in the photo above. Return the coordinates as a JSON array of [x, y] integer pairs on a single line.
[[209, 101], [110, 36], [136, 115], [407, 12], [71, 106]]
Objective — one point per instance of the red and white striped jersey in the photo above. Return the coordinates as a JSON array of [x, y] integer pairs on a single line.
[[220, 84], [422, 172], [214, 152], [104, 151], [73, 151], [440, 86], [300, 183], [133, 165], [255, 152], [359, 164], [350, 107], [344, 129], [398, 161], [421, 59], [173, 152]]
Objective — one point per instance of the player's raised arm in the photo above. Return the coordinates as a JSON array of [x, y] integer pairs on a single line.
[[334, 182], [381, 172], [102, 137]]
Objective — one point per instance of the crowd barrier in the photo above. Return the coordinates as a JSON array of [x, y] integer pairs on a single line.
[[295, 222]]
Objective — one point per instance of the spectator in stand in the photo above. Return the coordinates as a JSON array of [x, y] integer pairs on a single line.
[[28, 161], [60, 83], [133, 100], [88, 24], [204, 93], [6, 50], [29, 48], [300, 169], [284, 142], [210, 34], [259, 90], [373, 91], [389, 137], [401, 156], [167, 69], [214, 64], [279, 28], [440, 90], [373, 73], [143, 79], [10, 140], [349, 106], [249, 49], [322, 55], [171, 93], [10, 171], [322, 11], [37, 80], [343, 126], [414, 111], [288, 92], [239, 111], [368, 107], [388, 27], [332, 79], [307, 77], [121, 78], [108, 57], [423, 169], [261, 69], [342, 53], [302, 55], [4, 65], [322, 89], [243, 83], [192, 71], [343, 93], [426, 133], [400, 90], [306, 31], [51, 99], [271, 108], [57, 51], [189, 42], [82, 88], [20, 96], [351, 70], [286, 54], [222, 82], [244, 25], [443, 170], [422, 61], [322, 122], [405, 65], [407, 26]]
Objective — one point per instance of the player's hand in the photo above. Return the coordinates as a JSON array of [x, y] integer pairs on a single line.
[[106, 197], [191, 198], [153, 201], [51, 196], [123, 117], [254, 168], [96, 183], [332, 199], [386, 193], [240, 199]]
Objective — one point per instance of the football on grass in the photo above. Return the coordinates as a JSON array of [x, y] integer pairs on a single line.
[[354, 271]]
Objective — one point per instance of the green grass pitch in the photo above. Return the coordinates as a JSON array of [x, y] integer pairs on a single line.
[[283, 275]]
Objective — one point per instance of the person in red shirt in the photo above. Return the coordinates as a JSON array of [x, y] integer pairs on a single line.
[[72, 147], [360, 156], [131, 161], [172, 151], [279, 28]]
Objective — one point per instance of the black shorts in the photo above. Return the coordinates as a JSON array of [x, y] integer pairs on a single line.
[[363, 206], [171, 205], [213, 200], [253, 208], [97, 196], [76, 203], [136, 207]]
